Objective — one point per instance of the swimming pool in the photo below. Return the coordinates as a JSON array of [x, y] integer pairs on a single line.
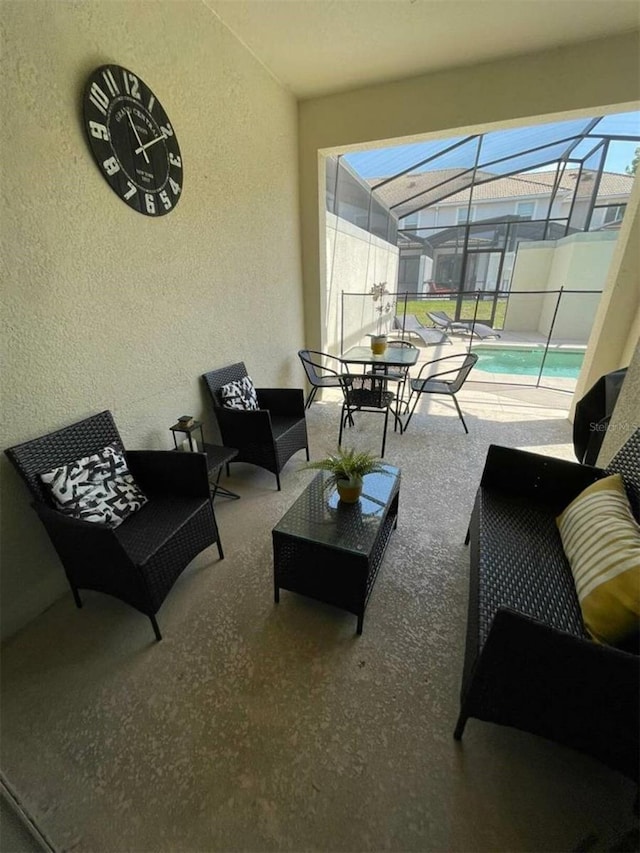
[[526, 361]]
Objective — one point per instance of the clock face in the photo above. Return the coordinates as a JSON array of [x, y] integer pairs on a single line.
[[132, 140]]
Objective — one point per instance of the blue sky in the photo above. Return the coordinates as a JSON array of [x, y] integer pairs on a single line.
[[620, 155], [390, 161]]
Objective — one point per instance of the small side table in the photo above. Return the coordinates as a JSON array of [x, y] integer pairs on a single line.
[[217, 456]]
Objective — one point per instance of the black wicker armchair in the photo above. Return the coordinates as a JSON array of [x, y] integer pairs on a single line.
[[529, 661], [268, 436], [139, 561]]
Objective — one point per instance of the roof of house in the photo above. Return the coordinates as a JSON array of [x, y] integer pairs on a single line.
[[421, 189]]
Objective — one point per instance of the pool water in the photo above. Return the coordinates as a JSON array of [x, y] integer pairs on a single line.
[[523, 361]]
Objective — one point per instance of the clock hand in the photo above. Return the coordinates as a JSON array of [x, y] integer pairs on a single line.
[[148, 144], [137, 135]]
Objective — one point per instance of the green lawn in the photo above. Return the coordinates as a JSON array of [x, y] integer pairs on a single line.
[[419, 307]]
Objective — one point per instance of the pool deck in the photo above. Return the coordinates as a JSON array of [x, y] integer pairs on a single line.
[[530, 339], [460, 344]]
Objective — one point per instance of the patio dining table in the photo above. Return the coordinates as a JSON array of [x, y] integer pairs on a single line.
[[391, 357], [399, 357]]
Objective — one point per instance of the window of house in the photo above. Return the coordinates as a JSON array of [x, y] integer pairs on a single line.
[[614, 213], [448, 270], [408, 271], [410, 221], [462, 215], [525, 209]]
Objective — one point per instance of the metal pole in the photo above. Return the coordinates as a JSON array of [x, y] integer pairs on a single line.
[[335, 186], [498, 287], [465, 251], [552, 198], [404, 312], [546, 349], [573, 200], [475, 315], [596, 188], [342, 322], [463, 269]]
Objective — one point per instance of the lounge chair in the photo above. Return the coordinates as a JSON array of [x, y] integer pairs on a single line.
[[462, 327], [410, 325]]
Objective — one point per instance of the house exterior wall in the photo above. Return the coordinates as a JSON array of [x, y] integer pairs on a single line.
[[106, 308], [445, 214], [626, 415], [532, 266], [578, 262], [356, 260], [616, 328]]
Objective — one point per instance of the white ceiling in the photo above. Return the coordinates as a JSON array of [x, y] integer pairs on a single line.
[[314, 47]]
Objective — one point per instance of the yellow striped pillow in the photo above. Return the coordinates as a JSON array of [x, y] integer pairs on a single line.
[[601, 539]]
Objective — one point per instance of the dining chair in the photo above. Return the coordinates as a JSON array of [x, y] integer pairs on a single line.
[[319, 372], [434, 383], [365, 393]]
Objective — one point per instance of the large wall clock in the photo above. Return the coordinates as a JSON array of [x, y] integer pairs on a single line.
[[132, 140]]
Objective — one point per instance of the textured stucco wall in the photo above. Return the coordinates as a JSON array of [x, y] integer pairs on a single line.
[[104, 307], [615, 330], [356, 260], [580, 262], [531, 270], [587, 79], [626, 415]]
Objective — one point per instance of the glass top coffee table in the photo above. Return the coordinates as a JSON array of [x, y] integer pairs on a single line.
[[332, 551]]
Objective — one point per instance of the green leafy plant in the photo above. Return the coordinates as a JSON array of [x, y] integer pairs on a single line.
[[348, 465], [378, 292]]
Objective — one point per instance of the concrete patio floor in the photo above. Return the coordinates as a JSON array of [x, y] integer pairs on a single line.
[[297, 733], [255, 726]]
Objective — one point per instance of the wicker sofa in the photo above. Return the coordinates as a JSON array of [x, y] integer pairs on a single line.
[[529, 661]]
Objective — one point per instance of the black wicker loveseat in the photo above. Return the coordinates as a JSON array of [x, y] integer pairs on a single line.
[[529, 661]]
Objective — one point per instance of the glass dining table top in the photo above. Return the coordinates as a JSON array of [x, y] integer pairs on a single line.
[[392, 356]]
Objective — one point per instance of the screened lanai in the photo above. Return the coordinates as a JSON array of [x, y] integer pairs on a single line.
[[465, 204]]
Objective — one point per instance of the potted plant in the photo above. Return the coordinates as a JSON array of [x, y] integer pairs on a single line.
[[379, 340], [346, 469], [378, 344]]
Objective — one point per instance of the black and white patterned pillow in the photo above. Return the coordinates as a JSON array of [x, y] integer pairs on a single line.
[[239, 394], [98, 488]]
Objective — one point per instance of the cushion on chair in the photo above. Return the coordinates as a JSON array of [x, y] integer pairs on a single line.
[[239, 394], [97, 488], [601, 539]]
